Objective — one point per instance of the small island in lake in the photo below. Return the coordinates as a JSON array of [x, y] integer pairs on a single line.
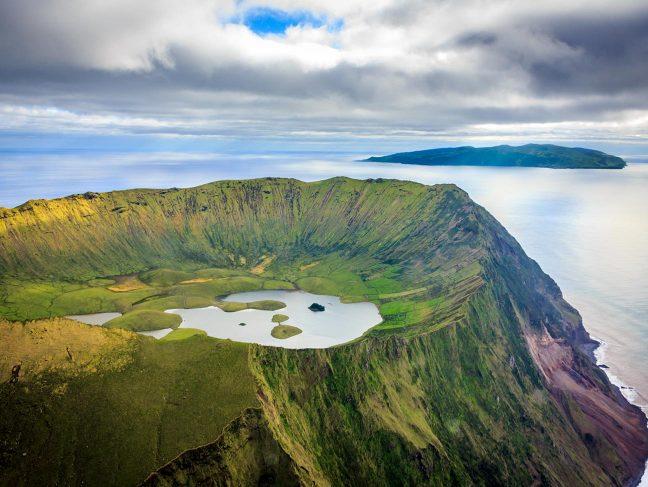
[[316, 307], [529, 155], [283, 332]]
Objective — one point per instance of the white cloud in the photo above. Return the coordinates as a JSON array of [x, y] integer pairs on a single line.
[[381, 66]]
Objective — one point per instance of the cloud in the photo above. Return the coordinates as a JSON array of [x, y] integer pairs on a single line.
[[355, 67]]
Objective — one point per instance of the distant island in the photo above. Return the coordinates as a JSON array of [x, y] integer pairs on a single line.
[[529, 155]]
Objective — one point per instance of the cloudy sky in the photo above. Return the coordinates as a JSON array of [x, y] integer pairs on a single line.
[[355, 70]]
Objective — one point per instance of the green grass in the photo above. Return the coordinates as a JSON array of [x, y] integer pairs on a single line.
[[116, 426], [279, 318], [96, 300], [101, 282], [384, 285], [277, 284], [164, 277], [162, 302], [28, 300], [231, 306], [402, 313], [182, 334], [402, 294], [216, 273], [24, 300], [266, 304], [285, 331], [145, 320], [317, 285]]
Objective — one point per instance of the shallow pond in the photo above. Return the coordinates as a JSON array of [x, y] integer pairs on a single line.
[[97, 319], [339, 323]]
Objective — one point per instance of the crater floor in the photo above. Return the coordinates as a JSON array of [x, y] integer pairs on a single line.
[[340, 323]]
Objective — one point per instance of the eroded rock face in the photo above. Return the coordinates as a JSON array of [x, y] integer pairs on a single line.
[[599, 413], [316, 307]]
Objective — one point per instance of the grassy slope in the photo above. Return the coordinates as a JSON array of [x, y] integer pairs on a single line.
[[443, 390], [221, 224], [245, 454], [145, 320], [182, 334], [112, 413]]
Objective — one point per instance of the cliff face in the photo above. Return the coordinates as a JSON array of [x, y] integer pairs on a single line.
[[476, 374], [504, 396], [83, 236], [561, 351]]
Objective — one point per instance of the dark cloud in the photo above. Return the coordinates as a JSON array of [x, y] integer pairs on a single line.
[[602, 54], [612, 54], [476, 39]]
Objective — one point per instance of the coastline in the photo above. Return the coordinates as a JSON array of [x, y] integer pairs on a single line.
[[629, 392], [596, 349]]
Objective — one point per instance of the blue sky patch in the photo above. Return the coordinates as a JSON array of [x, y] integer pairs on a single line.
[[264, 21]]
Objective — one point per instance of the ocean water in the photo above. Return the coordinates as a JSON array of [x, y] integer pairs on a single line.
[[588, 229]]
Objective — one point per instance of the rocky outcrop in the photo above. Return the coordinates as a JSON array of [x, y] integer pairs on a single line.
[[598, 412]]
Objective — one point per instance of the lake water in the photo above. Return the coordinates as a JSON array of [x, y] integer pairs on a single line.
[[339, 323], [96, 319], [588, 229]]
